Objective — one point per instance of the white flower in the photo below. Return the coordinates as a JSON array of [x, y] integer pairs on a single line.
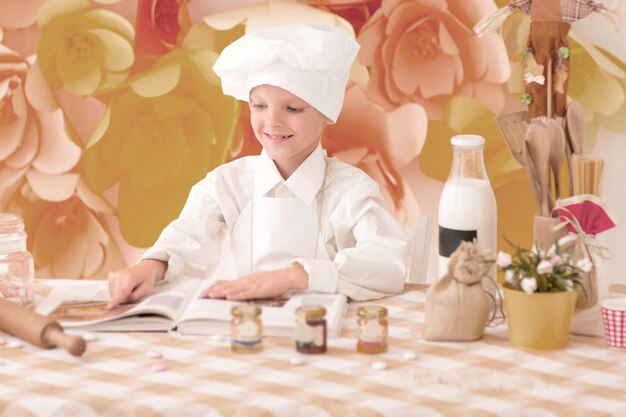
[[504, 259], [509, 276], [585, 265], [529, 285], [544, 267], [555, 260], [536, 252]]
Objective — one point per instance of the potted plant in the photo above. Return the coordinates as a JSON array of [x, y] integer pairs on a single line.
[[540, 291]]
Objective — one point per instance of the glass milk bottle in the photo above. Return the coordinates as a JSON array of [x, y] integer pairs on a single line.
[[17, 276], [467, 208]]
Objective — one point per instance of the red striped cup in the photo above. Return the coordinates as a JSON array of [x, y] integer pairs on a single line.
[[614, 317]]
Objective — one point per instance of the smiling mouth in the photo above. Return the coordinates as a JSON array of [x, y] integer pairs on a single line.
[[277, 137]]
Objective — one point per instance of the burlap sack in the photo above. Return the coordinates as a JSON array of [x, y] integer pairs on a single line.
[[457, 307], [587, 319]]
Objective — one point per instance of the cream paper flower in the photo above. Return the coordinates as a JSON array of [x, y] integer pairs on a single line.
[[82, 48]]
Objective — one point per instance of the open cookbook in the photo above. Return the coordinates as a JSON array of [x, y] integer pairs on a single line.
[[81, 305]]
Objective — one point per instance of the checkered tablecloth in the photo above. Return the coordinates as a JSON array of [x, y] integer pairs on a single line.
[[202, 377]]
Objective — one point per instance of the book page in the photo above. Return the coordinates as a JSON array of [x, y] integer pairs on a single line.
[[206, 316], [83, 302]]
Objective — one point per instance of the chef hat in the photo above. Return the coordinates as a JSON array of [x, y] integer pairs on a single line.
[[310, 61]]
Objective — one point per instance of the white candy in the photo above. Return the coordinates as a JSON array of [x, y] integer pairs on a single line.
[[296, 361], [379, 366], [217, 338], [154, 354], [409, 356], [159, 367], [14, 344], [89, 337]]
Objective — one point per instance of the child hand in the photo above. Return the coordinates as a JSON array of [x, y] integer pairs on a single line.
[[135, 282], [260, 284]]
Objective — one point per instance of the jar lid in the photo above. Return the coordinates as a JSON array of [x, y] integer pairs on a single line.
[[10, 223], [468, 141], [371, 311], [311, 311], [241, 310]]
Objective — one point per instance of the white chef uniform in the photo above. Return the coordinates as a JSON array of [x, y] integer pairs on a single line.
[[363, 251]]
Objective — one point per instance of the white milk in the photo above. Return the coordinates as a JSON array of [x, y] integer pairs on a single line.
[[468, 204]]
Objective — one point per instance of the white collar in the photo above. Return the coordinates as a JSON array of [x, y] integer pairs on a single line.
[[305, 182]]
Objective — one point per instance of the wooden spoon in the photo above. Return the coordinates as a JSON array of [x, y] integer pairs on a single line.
[[556, 135], [576, 127], [538, 147], [575, 137], [531, 172], [512, 126]]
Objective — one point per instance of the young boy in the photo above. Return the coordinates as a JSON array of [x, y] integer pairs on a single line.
[[296, 219]]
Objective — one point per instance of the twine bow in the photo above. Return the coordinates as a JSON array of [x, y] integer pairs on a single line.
[[581, 236], [529, 77]]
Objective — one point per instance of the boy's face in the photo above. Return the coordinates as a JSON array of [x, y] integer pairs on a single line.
[[287, 127]]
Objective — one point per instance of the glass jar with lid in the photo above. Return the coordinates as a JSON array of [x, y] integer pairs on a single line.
[[311, 329], [372, 328], [17, 272], [246, 328]]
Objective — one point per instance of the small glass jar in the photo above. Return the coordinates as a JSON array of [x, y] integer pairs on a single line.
[[17, 272], [373, 327], [311, 329], [246, 329]]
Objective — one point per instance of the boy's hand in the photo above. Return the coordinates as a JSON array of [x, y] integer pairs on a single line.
[[135, 282], [260, 284]]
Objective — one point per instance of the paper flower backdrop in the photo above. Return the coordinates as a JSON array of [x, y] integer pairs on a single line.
[[110, 112]]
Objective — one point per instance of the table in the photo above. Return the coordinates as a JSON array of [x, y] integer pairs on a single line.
[[116, 378]]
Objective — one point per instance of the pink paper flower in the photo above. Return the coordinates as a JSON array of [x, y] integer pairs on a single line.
[[69, 237], [25, 15], [160, 25], [357, 12], [17, 24], [366, 136], [32, 140], [424, 51], [66, 239]]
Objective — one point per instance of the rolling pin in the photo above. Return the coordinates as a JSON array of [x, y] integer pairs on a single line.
[[39, 330]]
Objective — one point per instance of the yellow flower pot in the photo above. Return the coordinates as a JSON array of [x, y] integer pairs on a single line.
[[539, 320]]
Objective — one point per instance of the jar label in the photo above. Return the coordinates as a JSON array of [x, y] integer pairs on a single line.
[[309, 335], [450, 239], [372, 332], [248, 331]]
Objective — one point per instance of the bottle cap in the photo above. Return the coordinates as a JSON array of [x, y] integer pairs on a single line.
[[242, 310], [311, 311], [371, 311], [12, 235], [468, 141]]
